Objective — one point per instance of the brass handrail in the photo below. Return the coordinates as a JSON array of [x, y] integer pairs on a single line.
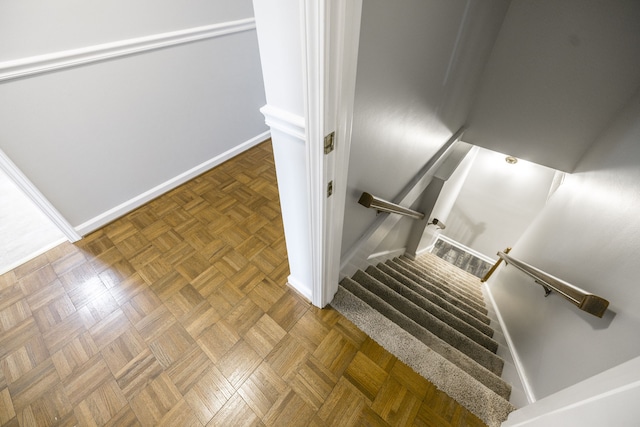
[[381, 205], [584, 300]]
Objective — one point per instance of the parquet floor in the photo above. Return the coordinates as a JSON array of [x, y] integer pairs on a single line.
[[178, 314]]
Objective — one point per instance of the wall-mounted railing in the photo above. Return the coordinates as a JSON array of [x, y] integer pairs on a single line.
[[584, 300], [381, 205]]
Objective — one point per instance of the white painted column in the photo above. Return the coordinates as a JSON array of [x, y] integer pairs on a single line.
[[308, 50]]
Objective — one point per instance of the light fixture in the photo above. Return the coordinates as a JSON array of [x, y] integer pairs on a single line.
[[511, 160]]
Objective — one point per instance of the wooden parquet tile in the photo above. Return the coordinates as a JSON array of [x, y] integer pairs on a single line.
[[178, 314]]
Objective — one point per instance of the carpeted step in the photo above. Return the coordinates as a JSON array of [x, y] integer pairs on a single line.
[[463, 304], [482, 337], [446, 333], [483, 375], [479, 321], [436, 265], [480, 325], [453, 287], [490, 406], [447, 273]]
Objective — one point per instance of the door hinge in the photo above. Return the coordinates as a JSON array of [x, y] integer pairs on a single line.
[[329, 189], [329, 142]]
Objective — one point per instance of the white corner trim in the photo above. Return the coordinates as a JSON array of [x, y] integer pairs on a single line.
[[284, 121], [37, 197], [32, 256], [40, 64], [385, 255], [122, 209], [300, 287], [425, 250], [526, 385], [466, 249]]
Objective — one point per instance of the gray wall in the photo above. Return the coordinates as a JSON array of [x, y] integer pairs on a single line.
[[558, 74], [418, 66], [589, 235], [94, 138], [497, 202]]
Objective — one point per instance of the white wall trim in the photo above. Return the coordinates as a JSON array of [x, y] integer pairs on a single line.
[[345, 34], [385, 255], [30, 190], [300, 287], [467, 249], [526, 384], [35, 65], [284, 121], [122, 209], [425, 250], [32, 256], [315, 21]]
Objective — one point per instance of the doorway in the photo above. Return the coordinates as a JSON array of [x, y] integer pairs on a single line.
[[25, 231]]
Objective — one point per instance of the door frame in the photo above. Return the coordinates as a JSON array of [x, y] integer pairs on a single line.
[[331, 35]]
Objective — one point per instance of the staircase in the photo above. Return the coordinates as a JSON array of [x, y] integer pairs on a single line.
[[432, 316]]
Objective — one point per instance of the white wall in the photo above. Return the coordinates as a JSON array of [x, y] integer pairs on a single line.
[[418, 66], [448, 196], [606, 399], [589, 235], [497, 202], [558, 74], [31, 27], [100, 139]]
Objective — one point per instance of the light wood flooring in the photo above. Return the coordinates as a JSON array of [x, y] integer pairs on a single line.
[[179, 314]]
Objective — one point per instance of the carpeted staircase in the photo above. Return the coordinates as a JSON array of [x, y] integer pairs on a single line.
[[432, 316]]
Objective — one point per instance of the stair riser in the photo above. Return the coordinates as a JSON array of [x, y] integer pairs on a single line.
[[463, 305], [486, 377], [476, 302], [442, 315], [453, 282], [442, 303], [440, 329], [470, 282]]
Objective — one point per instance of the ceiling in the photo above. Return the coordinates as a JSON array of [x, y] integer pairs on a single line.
[[559, 72]]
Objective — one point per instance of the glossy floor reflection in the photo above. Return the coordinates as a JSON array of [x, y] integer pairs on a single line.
[[178, 314]]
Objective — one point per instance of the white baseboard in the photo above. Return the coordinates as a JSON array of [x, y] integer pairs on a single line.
[[467, 249], [524, 380], [425, 250], [300, 288], [383, 256], [126, 207], [32, 256]]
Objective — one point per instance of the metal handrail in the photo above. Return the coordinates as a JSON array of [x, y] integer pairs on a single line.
[[584, 300], [381, 205]]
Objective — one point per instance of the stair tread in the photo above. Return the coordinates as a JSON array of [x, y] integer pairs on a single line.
[[430, 259], [448, 271], [442, 303], [482, 336], [431, 333], [453, 287], [489, 402], [461, 304], [440, 307]]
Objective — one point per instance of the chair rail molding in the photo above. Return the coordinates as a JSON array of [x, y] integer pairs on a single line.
[[41, 64]]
